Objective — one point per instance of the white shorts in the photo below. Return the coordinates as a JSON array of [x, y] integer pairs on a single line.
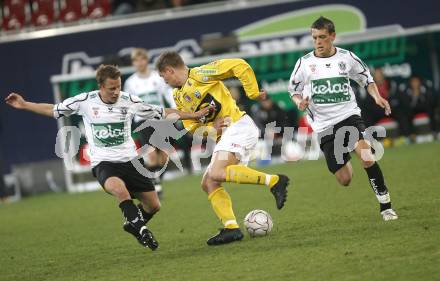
[[240, 138]]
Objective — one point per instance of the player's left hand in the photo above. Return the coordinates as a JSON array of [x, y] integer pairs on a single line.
[[15, 100], [384, 104], [262, 95], [204, 112]]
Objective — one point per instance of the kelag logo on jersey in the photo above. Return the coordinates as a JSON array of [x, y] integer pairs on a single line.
[[207, 101], [330, 90], [109, 134]]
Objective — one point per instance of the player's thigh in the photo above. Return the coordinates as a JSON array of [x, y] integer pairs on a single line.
[[152, 156], [109, 177], [149, 200], [135, 181], [240, 139], [334, 161], [162, 157], [365, 154]]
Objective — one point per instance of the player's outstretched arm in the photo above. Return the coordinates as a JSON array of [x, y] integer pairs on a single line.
[[239, 68], [17, 101], [173, 113]]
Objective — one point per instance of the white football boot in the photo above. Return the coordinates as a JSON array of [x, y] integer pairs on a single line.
[[389, 215]]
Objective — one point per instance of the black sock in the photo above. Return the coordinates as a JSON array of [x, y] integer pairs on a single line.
[[377, 183], [132, 214], [147, 216]]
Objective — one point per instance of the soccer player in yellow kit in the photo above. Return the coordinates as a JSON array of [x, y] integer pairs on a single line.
[[202, 86]]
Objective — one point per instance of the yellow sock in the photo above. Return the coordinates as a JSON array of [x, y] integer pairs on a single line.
[[222, 206], [243, 174]]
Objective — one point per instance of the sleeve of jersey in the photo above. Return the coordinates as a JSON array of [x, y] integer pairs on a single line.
[[149, 111], [359, 71], [69, 106], [228, 68], [296, 82]]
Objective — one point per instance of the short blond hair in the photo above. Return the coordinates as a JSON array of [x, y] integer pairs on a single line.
[[139, 52], [169, 58], [107, 71]]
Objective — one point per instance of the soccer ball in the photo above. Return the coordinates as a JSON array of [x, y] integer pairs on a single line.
[[292, 151], [258, 223]]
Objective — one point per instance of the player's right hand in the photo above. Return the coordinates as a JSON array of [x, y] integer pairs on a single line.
[[303, 104], [262, 95], [15, 100]]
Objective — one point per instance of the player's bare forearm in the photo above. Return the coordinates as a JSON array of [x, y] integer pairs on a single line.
[[380, 101], [17, 101], [177, 114], [182, 115], [373, 90], [45, 109]]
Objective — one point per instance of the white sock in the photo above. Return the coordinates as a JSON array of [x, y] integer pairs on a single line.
[[383, 199]]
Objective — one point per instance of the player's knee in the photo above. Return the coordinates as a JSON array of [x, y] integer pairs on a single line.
[[116, 187], [218, 175], [204, 184], [209, 185], [154, 208], [344, 179]]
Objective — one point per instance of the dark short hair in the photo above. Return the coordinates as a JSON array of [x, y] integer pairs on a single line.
[[169, 58], [324, 23], [107, 71]]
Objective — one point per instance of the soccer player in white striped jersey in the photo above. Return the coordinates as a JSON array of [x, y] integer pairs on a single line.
[[320, 84], [150, 87], [107, 115]]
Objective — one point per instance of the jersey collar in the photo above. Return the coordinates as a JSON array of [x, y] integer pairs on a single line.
[[106, 103], [336, 51]]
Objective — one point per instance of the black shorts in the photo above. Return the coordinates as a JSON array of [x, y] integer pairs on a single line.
[[327, 142], [134, 181]]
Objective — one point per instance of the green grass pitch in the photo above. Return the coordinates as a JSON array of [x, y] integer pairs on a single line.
[[325, 231]]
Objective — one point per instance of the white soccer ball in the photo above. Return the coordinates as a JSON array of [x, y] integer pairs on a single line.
[[292, 151], [258, 223]]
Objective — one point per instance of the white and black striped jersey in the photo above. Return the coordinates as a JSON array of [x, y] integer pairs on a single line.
[[326, 81], [108, 126]]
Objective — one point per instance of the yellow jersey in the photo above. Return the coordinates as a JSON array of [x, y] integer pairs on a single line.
[[204, 87]]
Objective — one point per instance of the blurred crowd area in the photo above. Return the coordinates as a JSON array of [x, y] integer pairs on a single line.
[[414, 102], [19, 14]]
